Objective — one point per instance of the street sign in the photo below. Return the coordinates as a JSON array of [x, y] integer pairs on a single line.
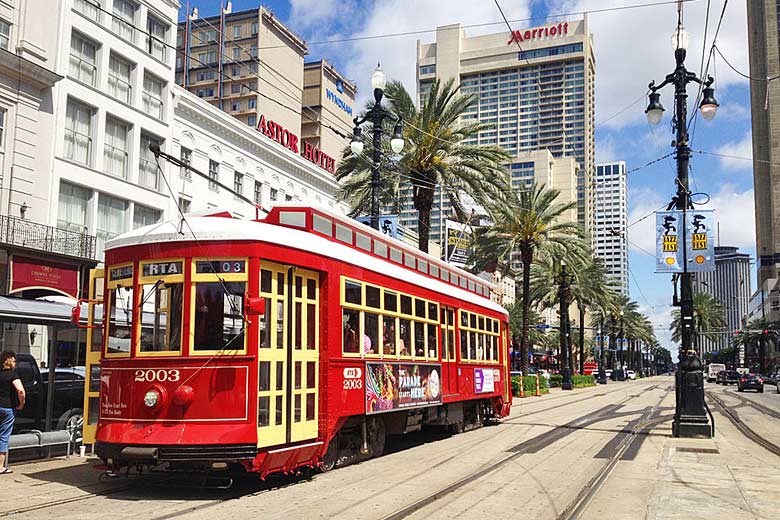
[[542, 326]]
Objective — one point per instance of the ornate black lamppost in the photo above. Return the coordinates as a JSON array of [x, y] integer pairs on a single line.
[[376, 116], [690, 419]]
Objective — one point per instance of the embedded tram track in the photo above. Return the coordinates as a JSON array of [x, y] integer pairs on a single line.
[[540, 442], [740, 425]]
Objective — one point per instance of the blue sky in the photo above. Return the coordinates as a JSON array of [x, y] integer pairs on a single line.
[[632, 48]]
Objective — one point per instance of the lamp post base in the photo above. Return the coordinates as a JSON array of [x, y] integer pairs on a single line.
[[566, 384], [691, 427], [690, 418]]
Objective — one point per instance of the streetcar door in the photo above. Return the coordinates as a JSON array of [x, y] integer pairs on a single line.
[[95, 346], [450, 364], [288, 355]]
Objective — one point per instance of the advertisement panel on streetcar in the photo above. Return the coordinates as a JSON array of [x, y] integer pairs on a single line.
[[392, 386]]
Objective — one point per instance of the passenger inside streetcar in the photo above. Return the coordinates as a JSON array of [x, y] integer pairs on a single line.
[[350, 319]]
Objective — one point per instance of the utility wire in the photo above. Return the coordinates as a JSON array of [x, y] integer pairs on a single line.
[[570, 14]]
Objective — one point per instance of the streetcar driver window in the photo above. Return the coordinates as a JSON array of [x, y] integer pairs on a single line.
[[219, 322], [161, 317], [120, 323]]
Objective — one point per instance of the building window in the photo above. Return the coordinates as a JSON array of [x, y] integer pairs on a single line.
[[185, 157], [5, 34], [88, 8], [428, 69], [153, 96], [213, 174], [83, 55], [2, 126], [254, 28], [155, 39], [115, 148], [184, 205], [253, 51], [235, 88], [73, 207], [124, 19], [119, 72], [78, 132], [258, 192], [238, 183], [235, 71], [236, 53], [251, 120], [253, 68], [111, 220], [207, 58], [237, 31], [147, 167], [235, 106], [143, 216], [211, 36], [252, 103], [274, 194], [288, 198]]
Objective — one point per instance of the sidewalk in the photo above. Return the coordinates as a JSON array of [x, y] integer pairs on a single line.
[[728, 477]]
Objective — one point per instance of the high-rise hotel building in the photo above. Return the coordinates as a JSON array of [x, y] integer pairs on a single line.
[[611, 214], [536, 87], [764, 46]]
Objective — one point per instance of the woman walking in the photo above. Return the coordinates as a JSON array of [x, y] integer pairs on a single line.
[[12, 397]]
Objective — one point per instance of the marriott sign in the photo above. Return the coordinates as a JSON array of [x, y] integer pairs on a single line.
[[540, 32]]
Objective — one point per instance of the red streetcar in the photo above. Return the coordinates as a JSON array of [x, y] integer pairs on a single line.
[[302, 339]]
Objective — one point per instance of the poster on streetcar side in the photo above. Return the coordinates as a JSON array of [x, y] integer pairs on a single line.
[[484, 381], [392, 386]]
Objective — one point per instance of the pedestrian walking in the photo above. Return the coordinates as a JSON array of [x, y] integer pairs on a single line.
[[12, 398]]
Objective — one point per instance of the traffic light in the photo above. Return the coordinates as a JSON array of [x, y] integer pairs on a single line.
[[765, 332]]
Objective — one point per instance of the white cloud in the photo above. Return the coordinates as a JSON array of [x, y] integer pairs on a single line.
[[633, 47], [735, 154], [735, 212], [607, 149], [641, 233], [660, 316]]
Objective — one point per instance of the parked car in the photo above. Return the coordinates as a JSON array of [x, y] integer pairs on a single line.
[[769, 379], [750, 382], [67, 411], [630, 374], [727, 377]]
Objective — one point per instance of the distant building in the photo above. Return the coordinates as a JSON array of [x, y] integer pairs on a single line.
[[611, 214], [763, 17], [535, 87], [765, 302], [729, 283]]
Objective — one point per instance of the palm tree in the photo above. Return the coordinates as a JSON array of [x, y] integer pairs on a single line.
[[435, 156], [708, 318], [524, 221]]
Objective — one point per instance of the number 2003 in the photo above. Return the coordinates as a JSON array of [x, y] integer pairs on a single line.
[[150, 376], [353, 384]]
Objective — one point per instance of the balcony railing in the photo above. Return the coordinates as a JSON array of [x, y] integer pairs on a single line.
[[24, 233]]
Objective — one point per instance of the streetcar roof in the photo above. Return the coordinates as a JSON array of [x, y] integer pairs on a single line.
[[208, 228]]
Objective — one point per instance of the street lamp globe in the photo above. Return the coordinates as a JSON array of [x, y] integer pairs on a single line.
[[356, 145], [680, 38], [378, 78], [709, 106], [397, 141], [655, 110]]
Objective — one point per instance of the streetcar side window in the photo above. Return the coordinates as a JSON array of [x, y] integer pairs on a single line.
[[219, 322], [120, 323], [161, 317], [351, 326]]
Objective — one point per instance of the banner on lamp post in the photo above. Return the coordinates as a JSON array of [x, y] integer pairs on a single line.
[[691, 230]]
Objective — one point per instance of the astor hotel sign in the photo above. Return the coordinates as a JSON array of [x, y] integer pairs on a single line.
[[291, 141], [540, 32]]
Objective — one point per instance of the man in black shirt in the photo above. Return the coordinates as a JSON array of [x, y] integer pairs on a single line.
[[12, 398]]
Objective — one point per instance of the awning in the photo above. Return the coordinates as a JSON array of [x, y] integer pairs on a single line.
[[39, 312]]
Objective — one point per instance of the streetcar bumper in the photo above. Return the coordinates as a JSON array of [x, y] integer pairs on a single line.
[[124, 454]]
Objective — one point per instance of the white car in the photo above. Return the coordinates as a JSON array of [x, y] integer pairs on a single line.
[[630, 374]]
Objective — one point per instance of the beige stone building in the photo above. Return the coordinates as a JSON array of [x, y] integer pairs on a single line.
[[261, 64], [535, 87], [764, 47], [328, 108]]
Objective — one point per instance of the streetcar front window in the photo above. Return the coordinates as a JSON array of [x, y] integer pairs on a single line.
[[161, 317], [219, 320], [120, 323]]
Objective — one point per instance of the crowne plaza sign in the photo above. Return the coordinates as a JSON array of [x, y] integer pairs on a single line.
[[291, 141], [520, 36]]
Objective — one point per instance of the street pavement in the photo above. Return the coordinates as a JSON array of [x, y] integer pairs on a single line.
[[594, 453]]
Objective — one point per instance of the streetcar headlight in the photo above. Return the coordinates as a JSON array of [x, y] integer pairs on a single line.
[[151, 398]]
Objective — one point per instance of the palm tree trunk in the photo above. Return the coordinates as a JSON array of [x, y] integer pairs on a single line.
[[582, 337], [527, 254], [423, 202]]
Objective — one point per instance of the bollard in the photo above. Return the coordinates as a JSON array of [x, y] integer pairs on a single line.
[[537, 386], [522, 385]]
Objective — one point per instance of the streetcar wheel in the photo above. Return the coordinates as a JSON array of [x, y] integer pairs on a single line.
[[456, 427], [331, 456], [377, 435]]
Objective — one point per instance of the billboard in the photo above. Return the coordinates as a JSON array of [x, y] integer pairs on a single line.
[[459, 240], [684, 235], [394, 386], [388, 224]]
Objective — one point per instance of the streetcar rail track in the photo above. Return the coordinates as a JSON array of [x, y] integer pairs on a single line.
[[743, 428], [540, 441]]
